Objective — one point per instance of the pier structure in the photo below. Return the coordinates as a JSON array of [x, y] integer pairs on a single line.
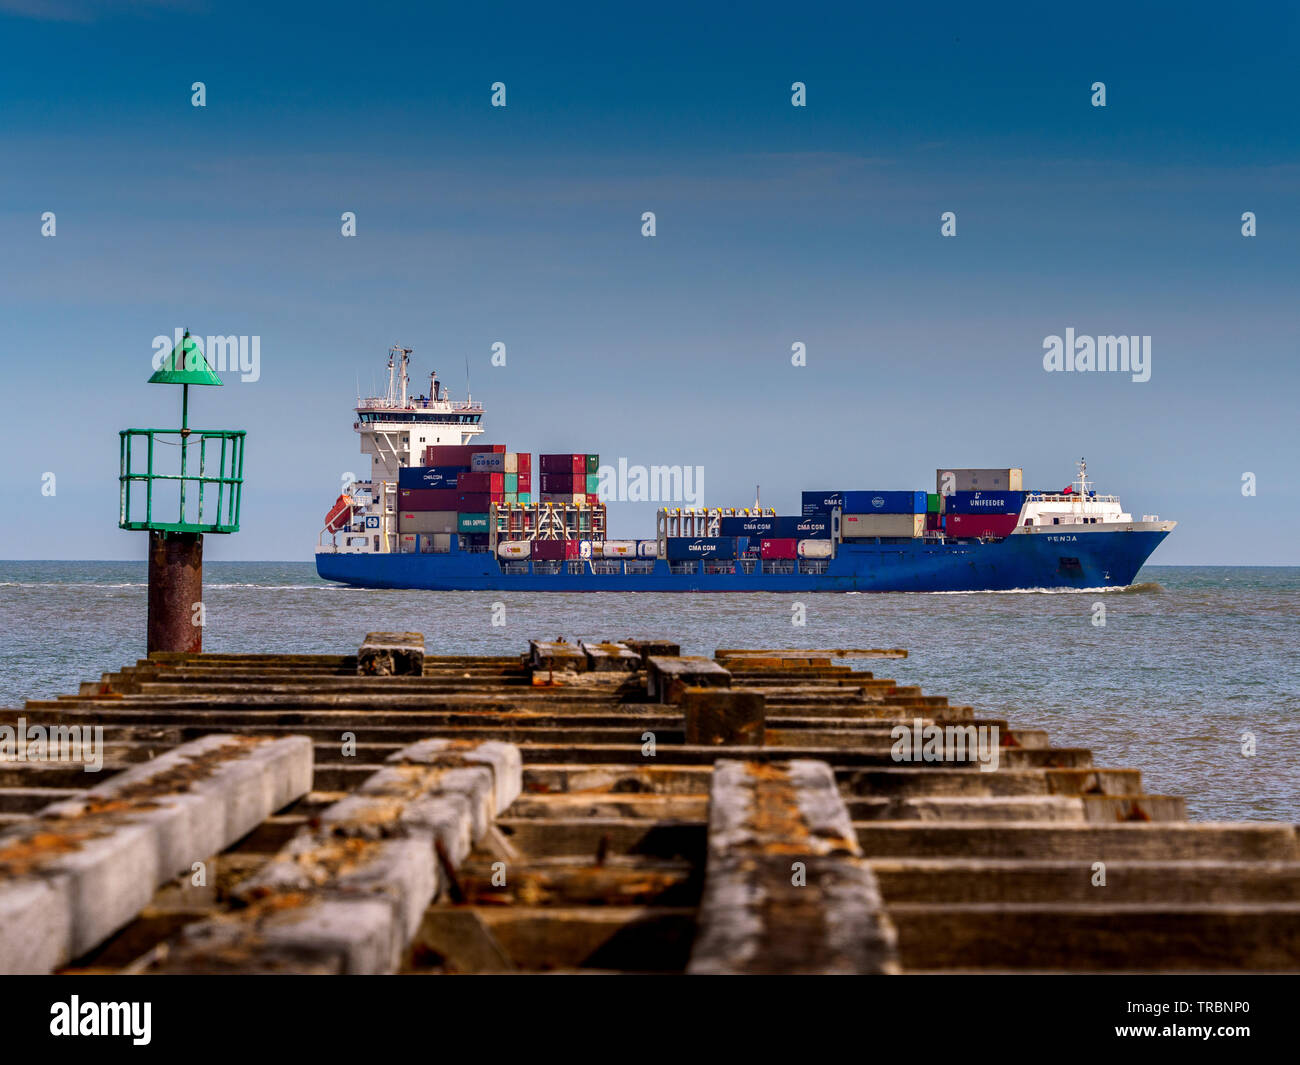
[[606, 806]]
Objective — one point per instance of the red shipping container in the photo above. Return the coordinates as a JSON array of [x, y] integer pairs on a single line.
[[980, 524], [525, 464], [558, 463], [525, 482], [457, 454], [473, 502], [931, 521], [562, 482], [580, 464], [554, 550], [782, 548], [428, 498], [481, 482]]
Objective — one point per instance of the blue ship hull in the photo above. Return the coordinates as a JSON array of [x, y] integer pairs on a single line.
[[1100, 559]]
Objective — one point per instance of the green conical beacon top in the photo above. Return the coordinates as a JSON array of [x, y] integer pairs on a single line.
[[186, 365]]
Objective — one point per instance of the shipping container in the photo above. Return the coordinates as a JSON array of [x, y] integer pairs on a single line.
[[525, 498], [933, 522], [815, 549], [784, 547], [525, 462], [457, 454], [525, 482], [683, 548], [428, 476], [427, 498], [593, 464], [472, 523], [647, 549], [514, 549], [510, 499], [406, 543], [556, 463], [760, 525], [510, 482], [488, 462], [984, 503], [474, 502], [435, 543], [592, 483], [932, 503], [426, 521], [554, 550], [814, 527], [816, 502], [481, 482], [969, 525], [1009, 479], [564, 482], [579, 465], [618, 549], [884, 502], [856, 526]]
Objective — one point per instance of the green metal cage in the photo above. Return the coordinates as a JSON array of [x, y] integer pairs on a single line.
[[225, 447]]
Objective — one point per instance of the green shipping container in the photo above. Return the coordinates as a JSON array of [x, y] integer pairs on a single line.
[[472, 523], [525, 499], [512, 482], [593, 465], [593, 484], [511, 497], [931, 503]]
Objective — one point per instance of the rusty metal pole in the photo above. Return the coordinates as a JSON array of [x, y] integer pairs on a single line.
[[175, 591]]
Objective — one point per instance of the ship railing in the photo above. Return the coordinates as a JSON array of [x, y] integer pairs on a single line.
[[1068, 497], [813, 567]]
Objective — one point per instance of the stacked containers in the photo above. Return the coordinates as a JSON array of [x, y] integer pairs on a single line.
[[887, 514], [982, 513], [568, 478]]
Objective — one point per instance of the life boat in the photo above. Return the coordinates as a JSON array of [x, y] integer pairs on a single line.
[[339, 514]]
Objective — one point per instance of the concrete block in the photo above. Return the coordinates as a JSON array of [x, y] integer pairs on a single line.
[[503, 759], [389, 654], [610, 657], [35, 924], [668, 677], [724, 716]]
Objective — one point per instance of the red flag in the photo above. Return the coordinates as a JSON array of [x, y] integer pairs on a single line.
[[1068, 490]]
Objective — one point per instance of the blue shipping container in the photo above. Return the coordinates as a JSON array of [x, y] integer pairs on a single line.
[[884, 502], [984, 503], [685, 548], [766, 525], [814, 527], [429, 476], [814, 502]]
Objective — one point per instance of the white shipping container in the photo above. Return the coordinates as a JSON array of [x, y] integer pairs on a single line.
[[647, 549], [618, 549], [515, 549], [814, 549], [512, 462], [854, 526], [1011, 479], [426, 521]]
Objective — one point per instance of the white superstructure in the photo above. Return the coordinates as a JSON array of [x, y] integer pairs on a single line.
[[395, 428], [1082, 509]]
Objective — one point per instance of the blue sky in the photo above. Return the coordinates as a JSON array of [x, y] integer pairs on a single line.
[[775, 224]]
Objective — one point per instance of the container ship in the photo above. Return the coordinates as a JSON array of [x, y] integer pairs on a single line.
[[443, 510]]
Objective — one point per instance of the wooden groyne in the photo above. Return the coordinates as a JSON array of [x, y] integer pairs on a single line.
[[611, 807]]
